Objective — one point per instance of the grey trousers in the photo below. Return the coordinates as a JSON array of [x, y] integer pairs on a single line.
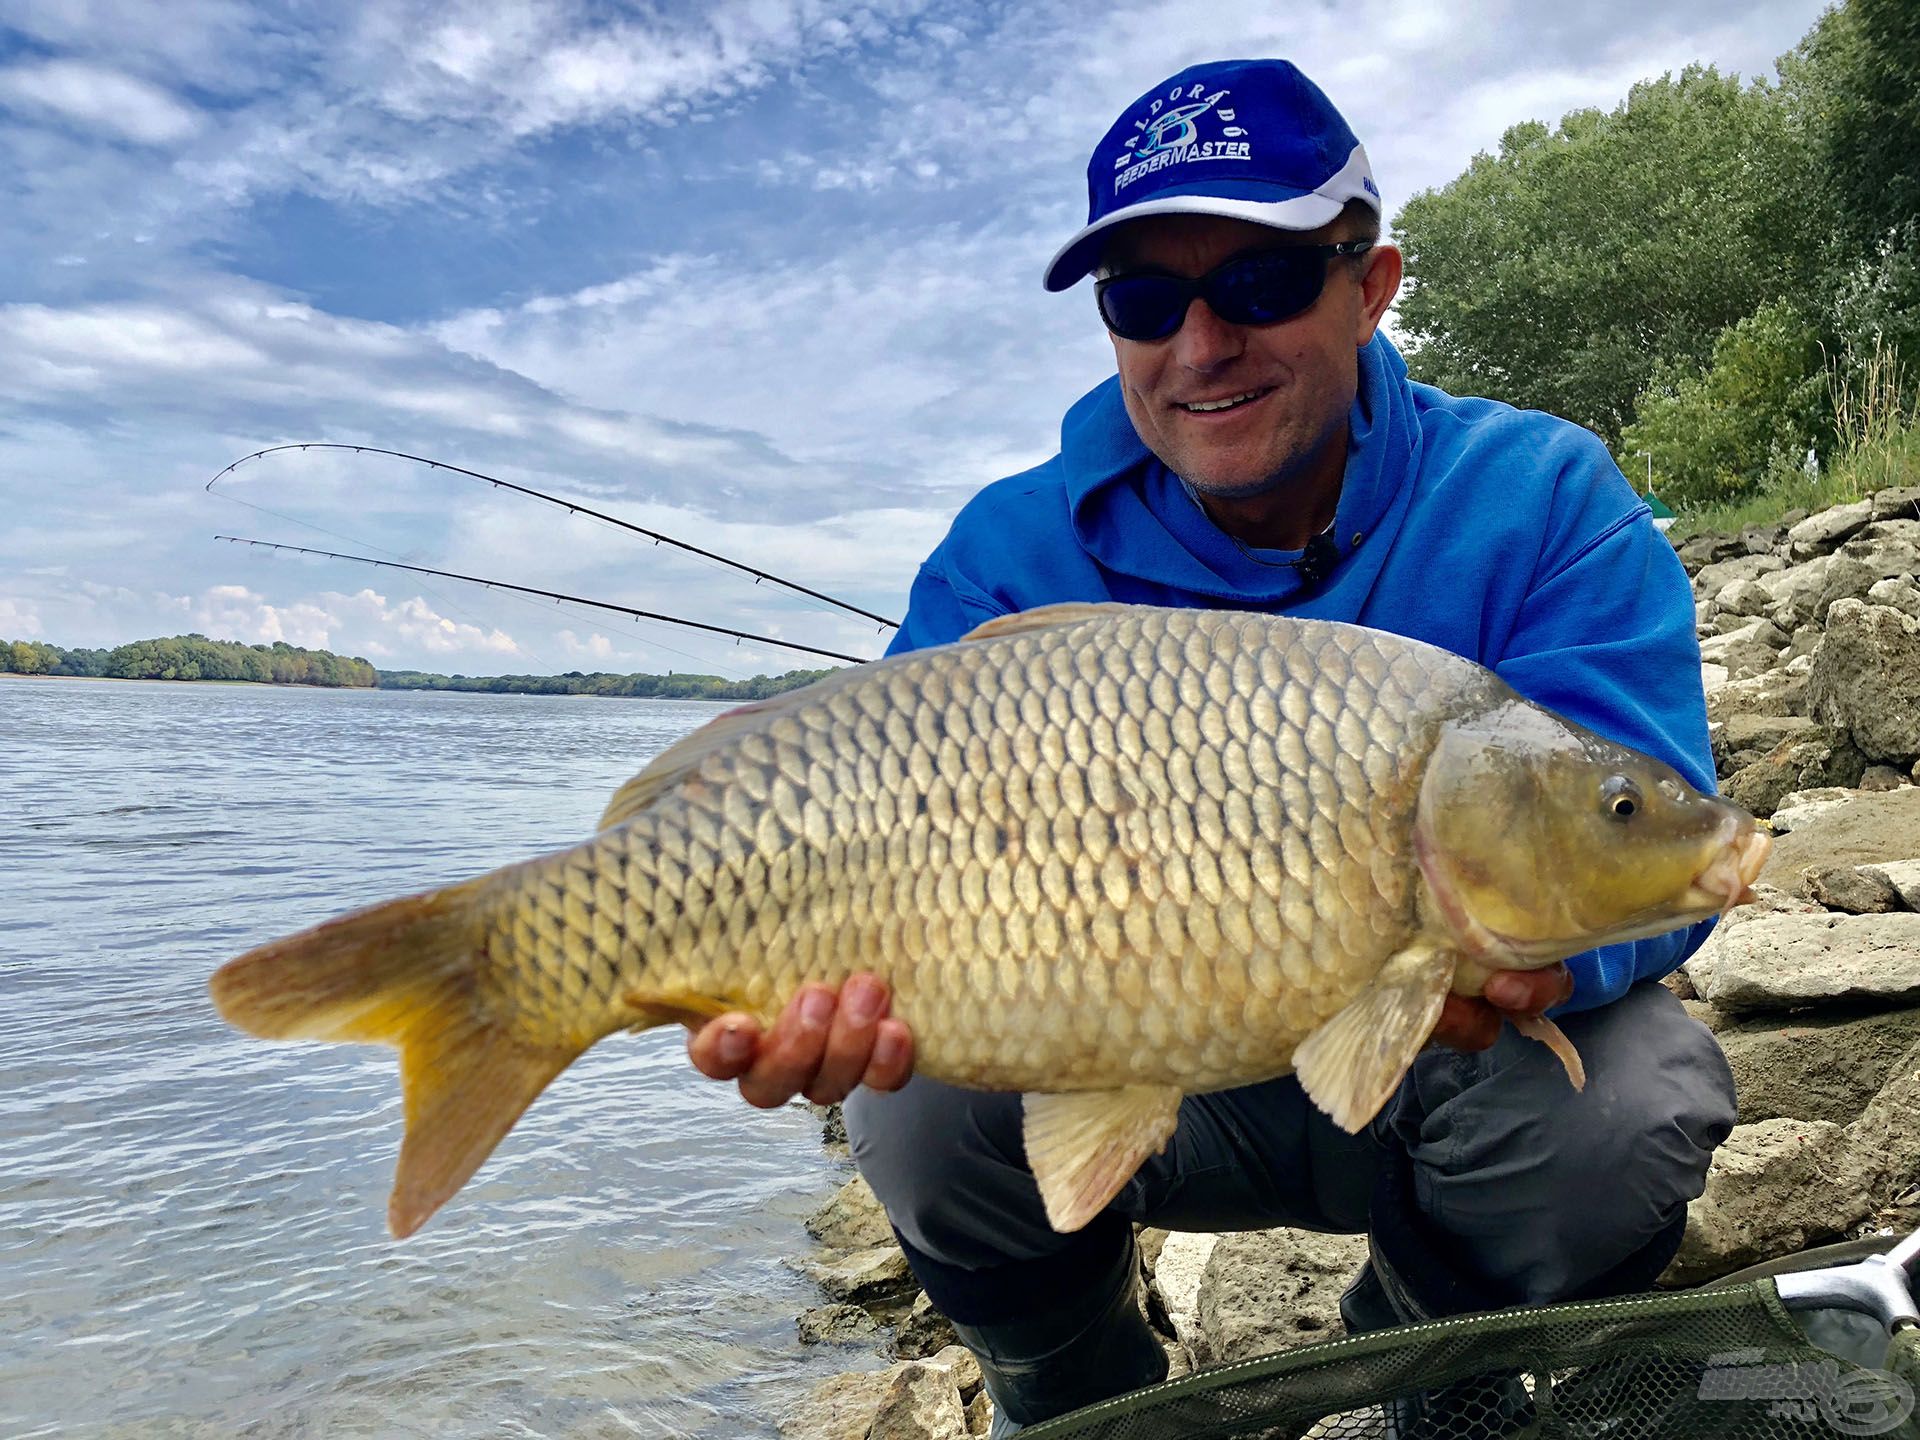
[[1540, 1189]]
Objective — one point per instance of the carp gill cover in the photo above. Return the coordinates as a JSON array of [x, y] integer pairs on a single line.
[[1104, 855]]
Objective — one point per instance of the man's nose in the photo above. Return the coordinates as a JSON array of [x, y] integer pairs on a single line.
[[1205, 341]]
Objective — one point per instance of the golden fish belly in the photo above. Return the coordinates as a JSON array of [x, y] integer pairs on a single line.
[[1160, 849]]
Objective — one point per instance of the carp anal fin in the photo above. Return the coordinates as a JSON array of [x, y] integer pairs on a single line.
[[1043, 617], [1351, 1065], [1083, 1147]]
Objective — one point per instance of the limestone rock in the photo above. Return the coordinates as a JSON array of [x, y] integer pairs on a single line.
[[1768, 900], [1772, 693], [1175, 1283], [1815, 1066], [1779, 962], [1702, 550], [1821, 534], [1803, 806], [851, 1219], [1899, 593], [1897, 503], [1904, 876], [1851, 888], [1772, 1188], [835, 1324], [924, 1331], [1883, 1145], [1744, 597], [1747, 651], [1862, 830], [1762, 732], [1806, 759], [958, 1362], [980, 1414], [1866, 679], [920, 1403], [838, 1408], [1881, 778], [860, 1276], [1712, 579], [1268, 1290]]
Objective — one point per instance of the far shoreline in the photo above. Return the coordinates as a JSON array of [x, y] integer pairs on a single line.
[[365, 689]]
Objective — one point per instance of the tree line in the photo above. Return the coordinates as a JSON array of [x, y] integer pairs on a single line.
[[195, 657], [1719, 276]]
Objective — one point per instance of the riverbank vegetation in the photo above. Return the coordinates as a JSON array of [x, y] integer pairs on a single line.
[[1720, 279], [195, 657]]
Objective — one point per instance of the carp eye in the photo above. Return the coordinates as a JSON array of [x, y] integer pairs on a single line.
[[1620, 797]]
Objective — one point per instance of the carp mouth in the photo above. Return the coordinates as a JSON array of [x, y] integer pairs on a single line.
[[1728, 880]]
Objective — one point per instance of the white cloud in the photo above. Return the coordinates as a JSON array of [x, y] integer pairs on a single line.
[[101, 99], [19, 619]]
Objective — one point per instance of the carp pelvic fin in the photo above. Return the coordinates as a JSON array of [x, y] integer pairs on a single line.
[[1044, 617], [1538, 1027], [1083, 1147], [1351, 1065], [403, 974]]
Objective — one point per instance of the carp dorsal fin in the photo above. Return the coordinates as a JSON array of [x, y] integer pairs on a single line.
[[1083, 1147], [1043, 618], [1351, 1065]]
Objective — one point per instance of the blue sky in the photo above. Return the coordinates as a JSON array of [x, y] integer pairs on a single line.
[[764, 275]]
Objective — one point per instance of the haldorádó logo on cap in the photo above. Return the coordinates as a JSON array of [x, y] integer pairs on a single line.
[[1251, 139]]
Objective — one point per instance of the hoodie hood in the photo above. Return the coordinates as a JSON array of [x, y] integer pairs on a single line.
[[1134, 516]]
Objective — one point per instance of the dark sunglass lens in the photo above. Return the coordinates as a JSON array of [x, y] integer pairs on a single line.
[[1143, 307], [1266, 288]]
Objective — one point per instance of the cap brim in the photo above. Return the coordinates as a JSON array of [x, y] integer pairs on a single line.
[[1078, 256]]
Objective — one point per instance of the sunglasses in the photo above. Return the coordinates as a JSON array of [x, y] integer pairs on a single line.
[[1262, 288]]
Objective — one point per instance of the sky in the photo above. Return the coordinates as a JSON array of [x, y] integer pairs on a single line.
[[760, 274]]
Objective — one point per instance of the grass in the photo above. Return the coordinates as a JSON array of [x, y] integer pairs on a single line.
[[1877, 418]]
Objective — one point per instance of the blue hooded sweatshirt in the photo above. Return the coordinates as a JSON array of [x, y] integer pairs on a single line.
[[1506, 536]]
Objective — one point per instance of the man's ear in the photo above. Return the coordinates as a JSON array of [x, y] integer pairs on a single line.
[[1379, 283]]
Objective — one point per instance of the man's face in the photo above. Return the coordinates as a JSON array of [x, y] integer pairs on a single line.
[[1299, 376]]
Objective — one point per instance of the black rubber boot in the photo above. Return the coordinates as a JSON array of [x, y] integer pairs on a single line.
[[1091, 1347]]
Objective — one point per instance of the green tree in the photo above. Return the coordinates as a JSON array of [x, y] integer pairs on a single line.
[[1558, 273]]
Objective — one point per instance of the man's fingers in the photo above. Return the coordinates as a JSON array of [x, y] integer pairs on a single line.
[[790, 1056], [892, 1064], [723, 1048], [1467, 1024], [1529, 992], [850, 1040]]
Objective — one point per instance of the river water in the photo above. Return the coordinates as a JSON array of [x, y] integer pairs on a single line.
[[192, 1222]]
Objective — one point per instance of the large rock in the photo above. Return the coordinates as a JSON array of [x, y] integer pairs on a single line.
[[924, 1331], [1821, 758], [1773, 1188], [1781, 962], [920, 1403], [1769, 899], [1760, 732], [1883, 1145], [1268, 1290], [861, 1276], [1815, 1067], [1744, 597], [1863, 829], [1854, 889], [1821, 534], [1712, 579], [1899, 594], [1175, 1284], [1747, 651], [1904, 877], [1776, 692], [1897, 503], [838, 1408], [1866, 679], [835, 1325], [1708, 549], [851, 1219]]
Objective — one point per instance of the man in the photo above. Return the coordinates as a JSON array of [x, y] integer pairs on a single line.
[[1261, 448]]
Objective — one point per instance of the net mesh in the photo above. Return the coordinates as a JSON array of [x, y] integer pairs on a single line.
[[1726, 1363]]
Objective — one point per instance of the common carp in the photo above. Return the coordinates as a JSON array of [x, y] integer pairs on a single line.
[[1105, 855]]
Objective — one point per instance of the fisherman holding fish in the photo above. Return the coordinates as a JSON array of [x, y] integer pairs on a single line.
[[1262, 449], [1205, 854]]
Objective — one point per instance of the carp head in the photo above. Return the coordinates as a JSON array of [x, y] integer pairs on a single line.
[[1540, 839]]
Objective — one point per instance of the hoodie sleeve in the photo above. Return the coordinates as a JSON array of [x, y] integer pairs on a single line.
[[1605, 636], [941, 608]]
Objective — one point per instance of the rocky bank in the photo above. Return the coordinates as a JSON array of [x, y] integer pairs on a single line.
[[1810, 648]]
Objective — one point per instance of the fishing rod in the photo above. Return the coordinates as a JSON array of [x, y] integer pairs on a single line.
[[551, 595], [571, 507]]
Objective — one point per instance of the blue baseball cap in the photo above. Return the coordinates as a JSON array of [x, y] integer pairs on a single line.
[[1251, 139]]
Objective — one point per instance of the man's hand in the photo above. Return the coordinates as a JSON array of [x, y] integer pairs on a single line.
[[822, 1046], [1473, 1024]]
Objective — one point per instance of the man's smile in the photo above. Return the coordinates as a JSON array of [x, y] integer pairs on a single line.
[[1224, 402]]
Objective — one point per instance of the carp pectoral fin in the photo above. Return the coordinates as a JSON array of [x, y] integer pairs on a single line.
[[1351, 1065], [1538, 1027], [1083, 1147]]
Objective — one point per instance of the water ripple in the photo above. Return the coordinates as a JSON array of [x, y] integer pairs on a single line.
[[192, 1234]]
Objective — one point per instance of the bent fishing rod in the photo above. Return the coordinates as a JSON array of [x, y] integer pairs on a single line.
[[551, 595], [572, 508]]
